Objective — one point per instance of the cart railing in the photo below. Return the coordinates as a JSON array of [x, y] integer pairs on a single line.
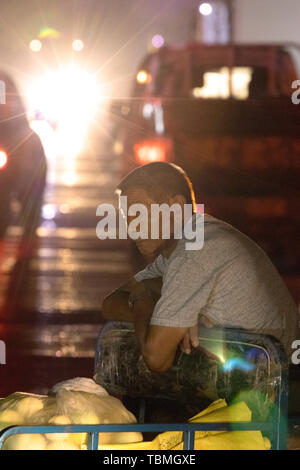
[[93, 430]]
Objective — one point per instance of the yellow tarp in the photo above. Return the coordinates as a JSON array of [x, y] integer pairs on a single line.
[[208, 440], [233, 440]]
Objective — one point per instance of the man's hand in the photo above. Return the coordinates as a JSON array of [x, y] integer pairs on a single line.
[[190, 340]]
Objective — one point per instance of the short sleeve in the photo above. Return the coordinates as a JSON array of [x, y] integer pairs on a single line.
[[185, 292], [155, 269]]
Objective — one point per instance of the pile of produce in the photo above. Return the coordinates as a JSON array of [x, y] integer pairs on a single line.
[[82, 401], [78, 401]]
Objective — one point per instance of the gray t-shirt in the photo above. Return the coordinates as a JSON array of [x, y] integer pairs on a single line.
[[230, 281]]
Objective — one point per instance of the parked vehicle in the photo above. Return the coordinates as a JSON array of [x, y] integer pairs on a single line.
[[224, 114], [22, 163]]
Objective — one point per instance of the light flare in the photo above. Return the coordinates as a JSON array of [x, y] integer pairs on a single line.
[[143, 77], [155, 150], [68, 97], [3, 159], [35, 45], [205, 9], [49, 33], [77, 45]]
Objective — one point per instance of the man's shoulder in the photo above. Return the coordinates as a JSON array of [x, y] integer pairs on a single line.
[[219, 226], [223, 233], [222, 241]]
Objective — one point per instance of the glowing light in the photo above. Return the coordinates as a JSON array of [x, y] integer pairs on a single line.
[[147, 110], [35, 45], [241, 77], [68, 97], [3, 159], [69, 179], [118, 147], [143, 77], [238, 363], [158, 41], [49, 211], [205, 9], [152, 151], [217, 84], [77, 45], [49, 33], [47, 136]]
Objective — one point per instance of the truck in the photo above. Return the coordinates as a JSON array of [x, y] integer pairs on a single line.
[[228, 115]]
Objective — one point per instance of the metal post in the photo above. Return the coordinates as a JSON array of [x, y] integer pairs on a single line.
[[93, 439], [188, 440]]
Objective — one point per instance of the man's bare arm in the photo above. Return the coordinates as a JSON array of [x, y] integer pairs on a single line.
[[158, 344]]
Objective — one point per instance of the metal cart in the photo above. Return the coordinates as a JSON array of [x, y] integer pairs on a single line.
[[275, 426]]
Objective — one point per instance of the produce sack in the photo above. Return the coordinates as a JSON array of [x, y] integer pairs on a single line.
[[22, 408], [76, 401], [26, 409], [87, 408]]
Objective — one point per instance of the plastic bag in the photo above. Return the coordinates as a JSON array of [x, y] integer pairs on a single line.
[[79, 384], [21, 408], [67, 406], [26, 409], [87, 408]]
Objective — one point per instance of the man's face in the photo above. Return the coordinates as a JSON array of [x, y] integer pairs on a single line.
[[149, 247]]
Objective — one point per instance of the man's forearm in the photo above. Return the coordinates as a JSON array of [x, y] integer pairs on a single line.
[[145, 301], [142, 313]]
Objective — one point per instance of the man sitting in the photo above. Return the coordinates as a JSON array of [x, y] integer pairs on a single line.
[[229, 282]]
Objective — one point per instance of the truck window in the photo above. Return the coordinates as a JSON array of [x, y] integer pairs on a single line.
[[222, 82]]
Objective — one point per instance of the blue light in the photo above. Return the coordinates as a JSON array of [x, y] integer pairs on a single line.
[[237, 363]]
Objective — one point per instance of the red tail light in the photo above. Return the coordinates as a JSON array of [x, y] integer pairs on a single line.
[[3, 159], [154, 150]]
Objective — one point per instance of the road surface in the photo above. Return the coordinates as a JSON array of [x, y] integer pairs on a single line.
[[50, 302]]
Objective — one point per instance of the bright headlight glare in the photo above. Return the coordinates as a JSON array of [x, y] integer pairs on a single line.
[[69, 97]]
